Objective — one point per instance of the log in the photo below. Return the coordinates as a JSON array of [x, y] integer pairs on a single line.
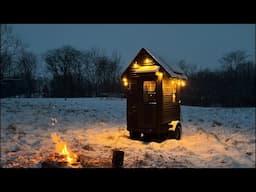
[[56, 161], [117, 159], [53, 164]]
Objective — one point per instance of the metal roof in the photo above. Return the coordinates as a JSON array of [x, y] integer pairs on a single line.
[[173, 70]]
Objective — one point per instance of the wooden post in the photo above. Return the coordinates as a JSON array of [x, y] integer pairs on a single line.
[[117, 159]]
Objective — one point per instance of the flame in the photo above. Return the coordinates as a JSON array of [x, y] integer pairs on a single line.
[[61, 148]]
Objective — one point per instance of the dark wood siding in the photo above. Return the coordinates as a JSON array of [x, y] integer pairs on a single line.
[[132, 105], [170, 104]]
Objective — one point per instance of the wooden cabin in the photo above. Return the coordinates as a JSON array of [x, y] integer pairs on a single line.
[[152, 89]]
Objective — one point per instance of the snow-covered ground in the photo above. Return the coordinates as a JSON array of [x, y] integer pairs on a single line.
[[212, 137]]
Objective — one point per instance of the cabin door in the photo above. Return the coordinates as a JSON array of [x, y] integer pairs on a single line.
[[148, 104]]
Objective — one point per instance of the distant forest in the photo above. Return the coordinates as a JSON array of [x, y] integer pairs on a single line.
[[92, 73]]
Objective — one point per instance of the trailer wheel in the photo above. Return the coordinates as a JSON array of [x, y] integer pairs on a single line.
[[134, 135], [178, 132]]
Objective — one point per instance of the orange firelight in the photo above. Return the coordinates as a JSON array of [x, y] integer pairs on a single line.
[[61, 148]]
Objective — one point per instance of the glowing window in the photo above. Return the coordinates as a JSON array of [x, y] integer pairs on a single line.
[[149, 86], [149, 91], [169, 90]]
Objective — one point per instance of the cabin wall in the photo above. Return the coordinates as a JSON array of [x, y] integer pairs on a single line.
[[132, 104], [143, 116], [170, 102]]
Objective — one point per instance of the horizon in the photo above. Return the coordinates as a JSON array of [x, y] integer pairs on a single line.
[[198, 44]]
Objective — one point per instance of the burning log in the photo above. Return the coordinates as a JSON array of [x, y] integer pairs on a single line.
[[53, 164], [58, 161], [62, 149], [83, 161], [63, 157], [56, 164]]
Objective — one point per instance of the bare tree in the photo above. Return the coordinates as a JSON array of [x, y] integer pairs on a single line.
[[115, 69], [26, 65], [186, 67], [10, 47], [89, 67], [104, 71], [82, 73], [63, 61], [65, 65], [232, 60]]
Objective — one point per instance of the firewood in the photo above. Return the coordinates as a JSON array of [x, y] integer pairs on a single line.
[[53, 164]]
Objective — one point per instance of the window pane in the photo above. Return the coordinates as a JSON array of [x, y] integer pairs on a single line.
[[169, 90], [149, 91], [149, 86]]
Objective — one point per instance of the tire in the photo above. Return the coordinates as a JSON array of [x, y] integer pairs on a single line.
[[178, 132], [134, 135]]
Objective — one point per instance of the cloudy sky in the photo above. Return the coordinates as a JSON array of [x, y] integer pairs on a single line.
[[199, 44]]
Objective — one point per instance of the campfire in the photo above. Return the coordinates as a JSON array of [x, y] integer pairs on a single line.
[[62, 150], [63, 157]]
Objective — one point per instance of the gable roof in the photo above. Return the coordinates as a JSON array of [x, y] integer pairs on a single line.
[[171, 69]]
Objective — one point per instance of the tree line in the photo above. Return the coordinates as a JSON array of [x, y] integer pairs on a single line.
[[72, 72], [231, 85], [78, 73]]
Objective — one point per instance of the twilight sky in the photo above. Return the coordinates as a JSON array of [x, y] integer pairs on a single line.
[[200, 44]]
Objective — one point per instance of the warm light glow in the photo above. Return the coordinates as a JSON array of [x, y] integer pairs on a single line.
[[147, 61], [147, 69], [159, 74], [149, 86], [135, 65], [173, 125], [125, 81], [183, 83], [61, 148], [173, 97]]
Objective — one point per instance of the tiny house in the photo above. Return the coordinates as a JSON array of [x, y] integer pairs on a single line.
[[152, 90]]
